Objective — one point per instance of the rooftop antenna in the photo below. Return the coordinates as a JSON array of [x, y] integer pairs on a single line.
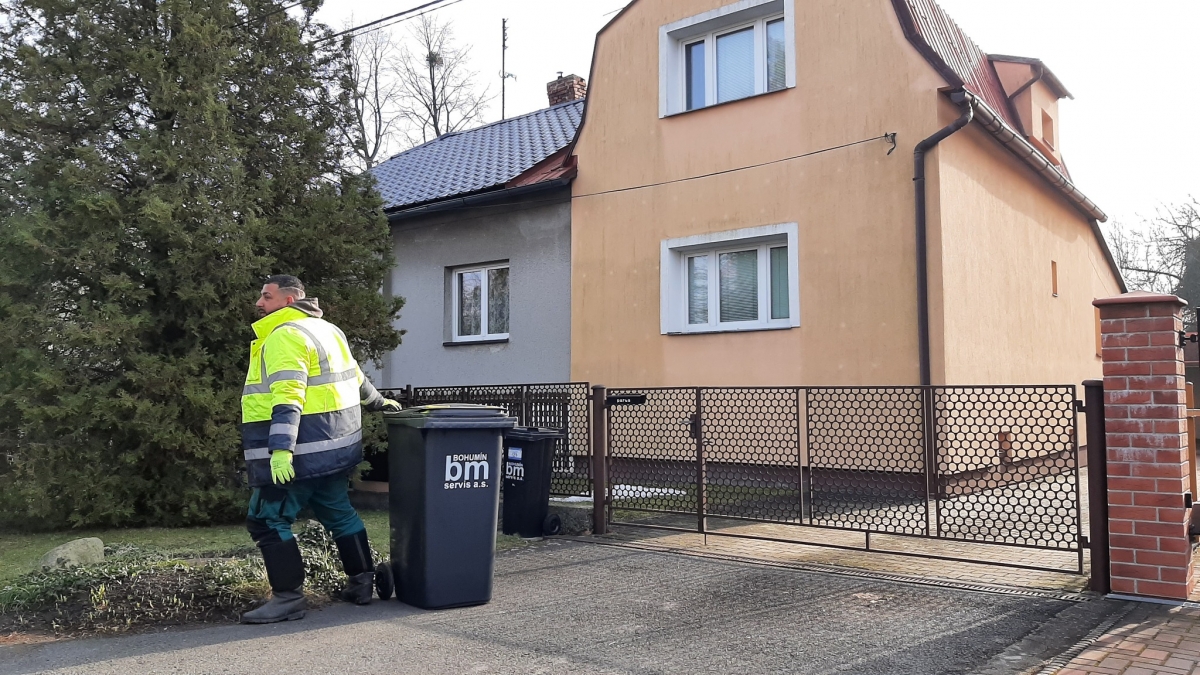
[[504, 74]]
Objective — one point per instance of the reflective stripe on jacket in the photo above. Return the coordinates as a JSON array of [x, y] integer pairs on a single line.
[[303, 393]]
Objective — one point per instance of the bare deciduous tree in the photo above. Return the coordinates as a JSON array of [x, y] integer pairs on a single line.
[[439, 93], [375, 98], [1162, 253]]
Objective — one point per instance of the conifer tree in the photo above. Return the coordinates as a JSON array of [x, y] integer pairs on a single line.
[[159, 158]]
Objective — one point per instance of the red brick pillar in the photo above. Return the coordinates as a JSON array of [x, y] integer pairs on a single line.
[[1145, 424]]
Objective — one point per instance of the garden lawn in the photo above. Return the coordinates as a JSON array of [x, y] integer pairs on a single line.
[[19, 553]]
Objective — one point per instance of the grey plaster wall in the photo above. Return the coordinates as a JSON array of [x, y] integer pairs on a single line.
[[534, 236]]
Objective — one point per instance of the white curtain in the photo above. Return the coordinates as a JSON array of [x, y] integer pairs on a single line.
[[735, 65], [739, 286]]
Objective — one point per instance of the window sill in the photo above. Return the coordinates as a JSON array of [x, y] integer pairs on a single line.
[[468, 343], [725, 103], [710, 331]]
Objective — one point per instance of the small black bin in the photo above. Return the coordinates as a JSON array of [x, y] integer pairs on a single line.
[[444, 462], [528, 464]]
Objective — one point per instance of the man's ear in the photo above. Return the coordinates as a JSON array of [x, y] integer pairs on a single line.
[[291, 300]]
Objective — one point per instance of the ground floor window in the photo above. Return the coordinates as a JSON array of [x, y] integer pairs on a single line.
[[730, 281], [481, 303]]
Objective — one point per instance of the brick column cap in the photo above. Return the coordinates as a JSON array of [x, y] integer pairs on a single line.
[[1140, 297]]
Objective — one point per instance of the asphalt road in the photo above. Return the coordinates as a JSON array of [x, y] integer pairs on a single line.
[[567, 607]]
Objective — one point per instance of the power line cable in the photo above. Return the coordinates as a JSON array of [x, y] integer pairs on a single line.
[[890, 137], [406, 18], [277, 10], [376, 22], [740, 168]]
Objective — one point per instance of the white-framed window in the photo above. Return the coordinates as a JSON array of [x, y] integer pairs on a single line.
[[733, 52], [480, 303], [740, 280]]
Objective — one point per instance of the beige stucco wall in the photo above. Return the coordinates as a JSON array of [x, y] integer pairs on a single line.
[[999, 229], [857, 78]]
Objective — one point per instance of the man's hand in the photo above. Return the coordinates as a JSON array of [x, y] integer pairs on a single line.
[[281, 467], [390, 405]]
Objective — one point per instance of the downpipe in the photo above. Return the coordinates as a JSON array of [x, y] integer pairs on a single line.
[[968, 103]]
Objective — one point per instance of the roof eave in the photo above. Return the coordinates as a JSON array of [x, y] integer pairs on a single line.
[[482, 198]]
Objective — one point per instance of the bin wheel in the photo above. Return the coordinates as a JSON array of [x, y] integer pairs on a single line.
[[384, 584], [552, 525]]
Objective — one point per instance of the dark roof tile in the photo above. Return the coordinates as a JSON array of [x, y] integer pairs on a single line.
[[953, 53], [478, 159]]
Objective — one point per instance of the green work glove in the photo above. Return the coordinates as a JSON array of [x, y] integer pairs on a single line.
[[281, 466], [391, 406]]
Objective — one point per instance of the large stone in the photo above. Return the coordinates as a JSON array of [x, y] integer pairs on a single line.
[[87, 551]]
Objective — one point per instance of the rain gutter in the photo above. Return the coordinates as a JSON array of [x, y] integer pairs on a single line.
[[922, 236]]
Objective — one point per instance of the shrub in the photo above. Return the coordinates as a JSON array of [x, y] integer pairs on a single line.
[[135, 588]]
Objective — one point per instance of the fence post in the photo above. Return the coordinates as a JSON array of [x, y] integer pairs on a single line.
[[1145, 412], [701, 465], [933, 494], [1097, 465], [599, 463]]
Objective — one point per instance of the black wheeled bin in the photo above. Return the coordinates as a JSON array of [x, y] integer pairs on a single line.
[[528, 464], [444, 466]]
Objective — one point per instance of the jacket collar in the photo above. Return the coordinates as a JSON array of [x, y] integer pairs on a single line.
[[264, 326]]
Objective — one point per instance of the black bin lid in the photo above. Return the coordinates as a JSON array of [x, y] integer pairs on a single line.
[[452, 416], [530, 434]]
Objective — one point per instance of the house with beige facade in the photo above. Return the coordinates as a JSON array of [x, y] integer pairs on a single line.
[[822, 192]]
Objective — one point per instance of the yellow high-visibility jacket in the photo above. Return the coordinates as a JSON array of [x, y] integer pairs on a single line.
[[303, 393]]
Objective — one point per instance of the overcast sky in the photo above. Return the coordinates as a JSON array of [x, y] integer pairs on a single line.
[[1134, 68]]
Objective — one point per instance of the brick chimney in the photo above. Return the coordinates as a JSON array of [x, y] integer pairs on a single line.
[[568, 88]]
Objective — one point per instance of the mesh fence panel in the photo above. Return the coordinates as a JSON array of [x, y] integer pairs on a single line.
[[652, 463], [752, 453], [866, 459], [1007, 465]]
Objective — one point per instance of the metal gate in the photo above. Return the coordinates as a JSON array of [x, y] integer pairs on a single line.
[[995, 465]]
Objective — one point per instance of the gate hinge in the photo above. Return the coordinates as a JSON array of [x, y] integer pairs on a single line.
[[1080, 407], [1185, 337], [1085, 541]]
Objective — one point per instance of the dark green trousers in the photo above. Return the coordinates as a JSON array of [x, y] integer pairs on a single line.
[[273, 509]]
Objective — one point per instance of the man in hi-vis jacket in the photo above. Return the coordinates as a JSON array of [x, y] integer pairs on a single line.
[[302, 436]]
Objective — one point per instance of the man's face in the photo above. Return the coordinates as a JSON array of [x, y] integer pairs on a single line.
[[272, 299]]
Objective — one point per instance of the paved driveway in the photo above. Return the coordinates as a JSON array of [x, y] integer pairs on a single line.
[[567, 607]]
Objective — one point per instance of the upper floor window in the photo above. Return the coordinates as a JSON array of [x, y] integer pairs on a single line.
[[726, 54]]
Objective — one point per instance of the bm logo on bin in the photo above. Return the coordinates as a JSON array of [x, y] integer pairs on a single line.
[[513, 469], [465, 471]]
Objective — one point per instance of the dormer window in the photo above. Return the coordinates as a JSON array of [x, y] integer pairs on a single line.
[[1048, 129], [730, 53]]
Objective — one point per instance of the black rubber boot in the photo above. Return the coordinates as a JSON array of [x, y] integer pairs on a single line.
[[285, 571], [355, 552], [358, 589], [283, 606]]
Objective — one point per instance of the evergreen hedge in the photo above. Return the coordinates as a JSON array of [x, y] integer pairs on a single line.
[[158, 159]]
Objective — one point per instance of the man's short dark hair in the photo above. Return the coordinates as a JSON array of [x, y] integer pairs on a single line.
[[286, 282]]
